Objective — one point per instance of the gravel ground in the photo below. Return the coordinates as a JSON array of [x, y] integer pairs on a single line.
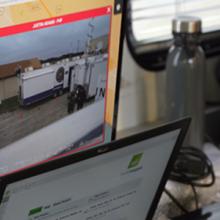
[[23, 121]]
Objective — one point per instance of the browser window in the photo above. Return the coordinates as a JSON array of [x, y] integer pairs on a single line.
[[117, 185], [58, 77]]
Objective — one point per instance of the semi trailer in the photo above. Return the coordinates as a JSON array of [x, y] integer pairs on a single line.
[[36, 85], [54, 79], [91, 75]]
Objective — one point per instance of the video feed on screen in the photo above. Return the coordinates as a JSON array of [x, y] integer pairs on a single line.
[[52, 73]]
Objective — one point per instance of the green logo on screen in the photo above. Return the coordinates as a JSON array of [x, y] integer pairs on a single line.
[[135, 161]]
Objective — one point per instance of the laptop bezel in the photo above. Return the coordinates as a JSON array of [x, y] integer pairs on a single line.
[[119, 69], [103, 149]]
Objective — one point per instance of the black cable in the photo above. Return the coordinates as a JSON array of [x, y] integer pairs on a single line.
[[195, 196], [192, 166], [169, 194], [194, 192]]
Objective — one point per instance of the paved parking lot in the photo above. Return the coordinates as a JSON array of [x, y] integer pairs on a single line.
[[19, 123]]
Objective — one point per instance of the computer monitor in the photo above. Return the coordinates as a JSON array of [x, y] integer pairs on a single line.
[[59, 77], [120, 180]]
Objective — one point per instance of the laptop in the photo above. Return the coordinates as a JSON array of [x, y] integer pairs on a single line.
[[121, 180]]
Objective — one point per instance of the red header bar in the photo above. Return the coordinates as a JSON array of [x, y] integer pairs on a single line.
[[36, 25]]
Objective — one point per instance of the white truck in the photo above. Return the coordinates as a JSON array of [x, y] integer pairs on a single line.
[[91, 74], [36, 85], [54, 79]]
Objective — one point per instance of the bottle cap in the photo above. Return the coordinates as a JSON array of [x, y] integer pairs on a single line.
[[187, 24]]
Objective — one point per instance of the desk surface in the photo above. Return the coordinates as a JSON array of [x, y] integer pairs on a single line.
[[184, 193], [185, 196]]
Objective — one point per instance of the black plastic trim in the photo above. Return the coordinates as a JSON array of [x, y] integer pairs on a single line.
[[118, 80]]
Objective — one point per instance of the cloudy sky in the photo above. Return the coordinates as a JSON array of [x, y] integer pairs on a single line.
[[50, 42]]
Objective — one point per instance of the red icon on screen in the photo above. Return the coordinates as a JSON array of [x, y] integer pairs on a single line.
[[109, 10]]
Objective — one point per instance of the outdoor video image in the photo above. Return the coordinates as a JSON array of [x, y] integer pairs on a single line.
[[52, 74]]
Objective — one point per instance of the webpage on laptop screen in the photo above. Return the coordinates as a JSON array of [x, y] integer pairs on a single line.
[[119, 185]]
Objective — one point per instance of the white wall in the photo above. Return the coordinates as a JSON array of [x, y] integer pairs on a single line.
[[142, 95], [8, 88]]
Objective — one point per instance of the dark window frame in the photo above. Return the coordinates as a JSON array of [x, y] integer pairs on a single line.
[[153, 56]]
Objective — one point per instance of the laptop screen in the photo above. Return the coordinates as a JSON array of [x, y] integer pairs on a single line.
[[119, 185]]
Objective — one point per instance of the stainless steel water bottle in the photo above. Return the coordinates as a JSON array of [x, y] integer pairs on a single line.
[[185, 71]]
